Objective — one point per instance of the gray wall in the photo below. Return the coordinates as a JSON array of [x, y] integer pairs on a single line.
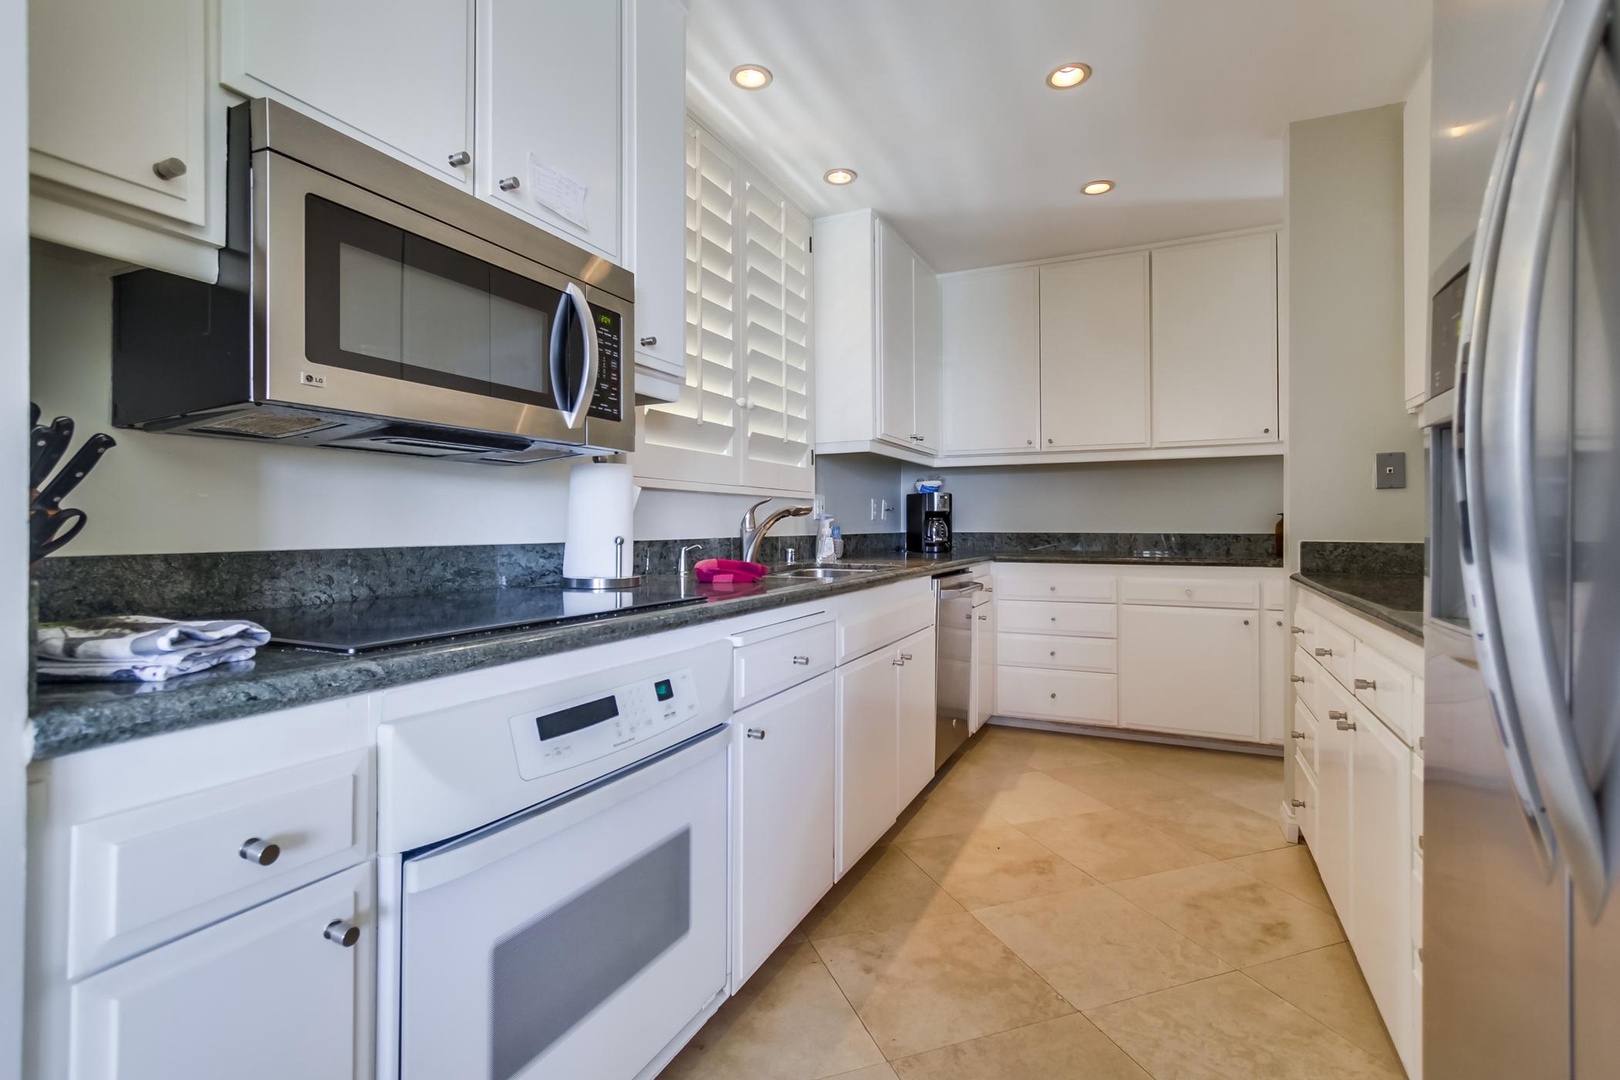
[[1201, 495], [1345, 369]]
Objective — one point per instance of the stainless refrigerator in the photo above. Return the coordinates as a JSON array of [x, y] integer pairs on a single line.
[[1521, 924]]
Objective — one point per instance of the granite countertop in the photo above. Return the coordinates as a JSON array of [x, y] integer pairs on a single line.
[[1395, 600], [68, 717]]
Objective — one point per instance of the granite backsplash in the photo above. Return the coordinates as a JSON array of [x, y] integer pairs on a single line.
[[217, 583]]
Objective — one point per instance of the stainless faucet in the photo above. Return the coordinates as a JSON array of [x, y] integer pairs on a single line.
[[753, 533], [684, 550]]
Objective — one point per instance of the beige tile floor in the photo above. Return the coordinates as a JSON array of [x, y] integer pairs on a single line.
[[1060, 906]]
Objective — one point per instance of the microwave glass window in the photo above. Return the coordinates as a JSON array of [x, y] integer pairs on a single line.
[[388, 302], [369, 300]]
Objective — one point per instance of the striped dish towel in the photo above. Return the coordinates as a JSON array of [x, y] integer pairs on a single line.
[[142, 648]]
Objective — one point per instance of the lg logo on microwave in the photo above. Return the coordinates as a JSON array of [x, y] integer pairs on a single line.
[[309, 378]]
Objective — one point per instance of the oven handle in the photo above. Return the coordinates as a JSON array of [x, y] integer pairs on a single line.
[[483, 847], [573, 305]]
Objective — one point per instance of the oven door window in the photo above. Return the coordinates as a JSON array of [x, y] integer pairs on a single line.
[[388, 302]]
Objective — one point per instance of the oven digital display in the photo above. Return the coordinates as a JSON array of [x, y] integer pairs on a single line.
[[572, 719]]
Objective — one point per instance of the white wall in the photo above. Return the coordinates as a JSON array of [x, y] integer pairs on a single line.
[[1346, 318], [13, 537], [1232, 495], [168, 493], [849, 482]]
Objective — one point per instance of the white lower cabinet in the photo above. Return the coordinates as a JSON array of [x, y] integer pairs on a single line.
[[1192, 671], [984, 680], [282, 990], [867, 753], [782, 813], [1274, 704], [1358, 797], [915, 716]]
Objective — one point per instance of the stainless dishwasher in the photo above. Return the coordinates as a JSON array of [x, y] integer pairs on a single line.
[[956, 646]]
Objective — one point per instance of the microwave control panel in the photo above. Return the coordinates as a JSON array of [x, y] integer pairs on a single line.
[[608, 402], [567, 736]]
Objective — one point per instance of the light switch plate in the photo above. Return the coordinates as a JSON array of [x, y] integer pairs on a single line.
[[1392, 470]]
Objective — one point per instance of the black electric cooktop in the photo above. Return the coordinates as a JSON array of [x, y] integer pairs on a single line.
[[356, 625]]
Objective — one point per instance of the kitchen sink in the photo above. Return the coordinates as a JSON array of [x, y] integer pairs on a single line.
[[825, 573]]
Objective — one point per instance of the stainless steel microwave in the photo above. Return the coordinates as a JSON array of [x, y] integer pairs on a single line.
[[363, 304]]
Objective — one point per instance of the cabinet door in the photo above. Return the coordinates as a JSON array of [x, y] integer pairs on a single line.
[[985, 653], [782, 818], [1215, 342], [261, 996], [1094, 353], [1331, 845], [1195, 671], [1274, 686], [394, 73], [915, 719], [549, 139], [659, 146], [896, 318], [867, 753], [926, 367], [114, 88], [1381, 866], [991, 344]]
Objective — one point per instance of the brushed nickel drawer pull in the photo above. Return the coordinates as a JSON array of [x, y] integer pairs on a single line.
[[755, 733], [261, 852], [1296, 678], [1324, 652], [802, 661], [342, 933], [1298, 804], [1366, 684]]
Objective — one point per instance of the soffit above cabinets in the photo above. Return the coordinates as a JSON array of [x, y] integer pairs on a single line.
[[941, 108]]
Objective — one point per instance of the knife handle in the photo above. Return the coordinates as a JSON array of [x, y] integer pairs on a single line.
[[48, 533]]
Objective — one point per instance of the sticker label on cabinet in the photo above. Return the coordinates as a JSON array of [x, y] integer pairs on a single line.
[[557, 191]]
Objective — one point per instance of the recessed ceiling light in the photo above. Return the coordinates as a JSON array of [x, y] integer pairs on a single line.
[[839, 176], [1067, 75], [1098, 187], [751, 76]]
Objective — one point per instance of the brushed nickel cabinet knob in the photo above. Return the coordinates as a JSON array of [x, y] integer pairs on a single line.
[[342, 933], [261, 852], [460, 158], [170, 168], [509, 183], [755, 733]]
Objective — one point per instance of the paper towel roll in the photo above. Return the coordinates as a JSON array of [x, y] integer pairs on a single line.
[[601, 512]]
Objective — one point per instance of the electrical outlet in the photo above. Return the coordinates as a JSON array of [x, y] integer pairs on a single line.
[[873, 516], [1392, 470]]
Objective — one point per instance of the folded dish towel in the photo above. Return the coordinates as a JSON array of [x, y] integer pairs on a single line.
[[142, 648], [724, 571]]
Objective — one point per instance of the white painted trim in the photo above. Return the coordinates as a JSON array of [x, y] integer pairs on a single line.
[[1159, 245], [14, 743]]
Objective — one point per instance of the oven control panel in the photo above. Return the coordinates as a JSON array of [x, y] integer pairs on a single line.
[[559, 738]]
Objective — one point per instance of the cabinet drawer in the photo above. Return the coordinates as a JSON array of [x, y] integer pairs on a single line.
[[1045, 582], [770, 666], [1384, 687], [1308, 676], [1305, 790], [1304, 627], [1039, 617], [149, 875], [1306, 737], [1334, 703], [1067, 653], [1191, 592], [1333, 648], [1081, 696], [866, 629]]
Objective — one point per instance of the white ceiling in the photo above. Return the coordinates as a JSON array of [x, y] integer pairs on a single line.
[[941, 107]]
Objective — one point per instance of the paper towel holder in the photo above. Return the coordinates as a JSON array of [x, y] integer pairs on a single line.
[[608, 584]]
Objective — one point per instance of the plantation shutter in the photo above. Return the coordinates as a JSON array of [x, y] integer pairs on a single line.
[[743, 419], [694, 438], [776, 321]]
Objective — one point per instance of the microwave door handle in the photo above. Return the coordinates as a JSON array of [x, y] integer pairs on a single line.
[[1475, 558], [1505, 462], [573, 305]]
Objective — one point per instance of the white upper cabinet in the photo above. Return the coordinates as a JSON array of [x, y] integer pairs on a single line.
[[877, 328], [397, 74], [1094, 353], [896, 304], [116, 101], [657, 238], [991, 326], [1215, 342], [549, 86]]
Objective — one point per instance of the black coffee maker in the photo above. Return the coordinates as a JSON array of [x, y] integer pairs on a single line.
[[928, 523]]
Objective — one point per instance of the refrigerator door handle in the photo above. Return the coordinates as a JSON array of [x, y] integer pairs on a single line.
[[1504, 463], [1476, 565]]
